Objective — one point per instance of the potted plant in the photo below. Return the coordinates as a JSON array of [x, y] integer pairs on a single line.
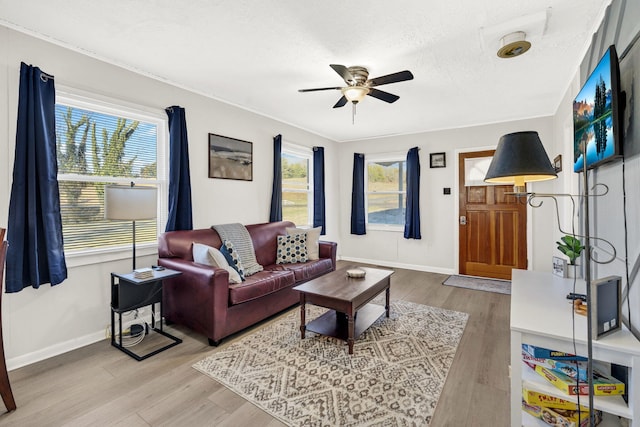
[[572, 247]]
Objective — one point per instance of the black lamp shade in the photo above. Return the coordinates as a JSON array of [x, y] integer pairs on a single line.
[[520, 158]]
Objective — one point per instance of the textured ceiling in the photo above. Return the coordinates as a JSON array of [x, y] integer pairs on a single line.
[[257, 54]]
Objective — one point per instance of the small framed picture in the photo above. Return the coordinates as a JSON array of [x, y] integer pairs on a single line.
[[557, 163], [437, 160], [559, 266]]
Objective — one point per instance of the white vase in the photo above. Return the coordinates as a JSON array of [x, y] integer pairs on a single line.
[[574, 271]]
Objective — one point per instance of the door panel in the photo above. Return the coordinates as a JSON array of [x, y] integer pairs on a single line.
[[493, 237]]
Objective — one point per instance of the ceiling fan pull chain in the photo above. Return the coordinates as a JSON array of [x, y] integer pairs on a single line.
[[353, 114]]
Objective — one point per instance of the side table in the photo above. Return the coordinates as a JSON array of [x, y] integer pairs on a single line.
[[129, 293]]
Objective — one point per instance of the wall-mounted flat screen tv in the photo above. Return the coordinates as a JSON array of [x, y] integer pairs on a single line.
[[596, 124]]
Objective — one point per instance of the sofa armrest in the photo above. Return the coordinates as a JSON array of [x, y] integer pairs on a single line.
[[328, 250], [198, 298]]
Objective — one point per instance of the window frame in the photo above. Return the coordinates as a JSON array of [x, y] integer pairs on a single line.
[[378, 158], [307, 153], [101, 104]]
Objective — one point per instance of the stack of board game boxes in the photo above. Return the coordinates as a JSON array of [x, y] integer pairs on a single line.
[[568, 373]]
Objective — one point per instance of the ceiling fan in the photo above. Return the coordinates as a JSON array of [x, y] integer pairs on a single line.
[[359, 85]]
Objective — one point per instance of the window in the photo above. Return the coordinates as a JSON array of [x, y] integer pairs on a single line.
[[100, 143], [297, 185], [386, 192]]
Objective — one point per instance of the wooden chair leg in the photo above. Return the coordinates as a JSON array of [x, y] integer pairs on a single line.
[[5, 387]]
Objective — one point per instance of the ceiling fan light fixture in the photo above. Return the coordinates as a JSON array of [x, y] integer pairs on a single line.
[[355, 93], [513, 44]]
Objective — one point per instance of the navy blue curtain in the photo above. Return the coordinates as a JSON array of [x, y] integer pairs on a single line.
[[276, 193], [180, 213], [318, 189], [358, 225], [412, 212], [36, 253]]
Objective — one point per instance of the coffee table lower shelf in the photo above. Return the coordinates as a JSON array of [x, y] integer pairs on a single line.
[[335, 325]]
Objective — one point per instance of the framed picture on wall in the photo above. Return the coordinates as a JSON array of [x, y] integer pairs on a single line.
[[230, 158], [437, 160], [557, 163]]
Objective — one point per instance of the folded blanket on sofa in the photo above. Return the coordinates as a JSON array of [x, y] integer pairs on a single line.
[[238, 235]]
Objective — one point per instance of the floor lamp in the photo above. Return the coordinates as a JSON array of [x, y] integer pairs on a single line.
[[131, 203], [520, 158]]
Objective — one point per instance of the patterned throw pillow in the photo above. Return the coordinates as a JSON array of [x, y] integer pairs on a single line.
[[313, 236], [232, 257], [292, 249]]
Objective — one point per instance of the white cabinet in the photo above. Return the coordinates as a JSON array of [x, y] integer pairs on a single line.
[[542, 316]]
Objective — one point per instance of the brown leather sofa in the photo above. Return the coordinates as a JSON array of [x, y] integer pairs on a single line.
[[202, 298]]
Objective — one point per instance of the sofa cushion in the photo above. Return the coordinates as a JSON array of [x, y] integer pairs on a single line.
[[259, 284], [292, 249], [313, 237], [308, 270]]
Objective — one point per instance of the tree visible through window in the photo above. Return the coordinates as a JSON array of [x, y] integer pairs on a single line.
[[95, 149], [297, 188], [386, 192]]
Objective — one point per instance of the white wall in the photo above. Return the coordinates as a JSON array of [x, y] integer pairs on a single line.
[[50, 320], [437, 251], [620, 27]]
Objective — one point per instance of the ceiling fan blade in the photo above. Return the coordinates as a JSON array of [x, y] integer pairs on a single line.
[[318, 88], [341, 102], [382, 95], [391, 78], [343, 72]]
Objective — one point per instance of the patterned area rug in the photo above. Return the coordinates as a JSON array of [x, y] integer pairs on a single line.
[[394, 377], [479, 284]]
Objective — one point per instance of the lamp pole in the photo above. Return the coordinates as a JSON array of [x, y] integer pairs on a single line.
[[587, 279], [134, 244]]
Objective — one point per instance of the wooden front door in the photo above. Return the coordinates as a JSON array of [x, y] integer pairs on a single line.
[[492, 227]]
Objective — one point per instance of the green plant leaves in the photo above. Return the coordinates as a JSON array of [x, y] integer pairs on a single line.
[[571, 247]]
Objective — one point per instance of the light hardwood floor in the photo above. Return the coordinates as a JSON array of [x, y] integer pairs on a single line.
[[98, 385]]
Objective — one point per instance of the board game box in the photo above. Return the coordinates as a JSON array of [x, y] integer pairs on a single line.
[[560, 417], [568, 367], [536, 398], [545, 353], [603, 385]]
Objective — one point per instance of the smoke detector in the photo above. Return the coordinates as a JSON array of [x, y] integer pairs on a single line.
[[513, 45]]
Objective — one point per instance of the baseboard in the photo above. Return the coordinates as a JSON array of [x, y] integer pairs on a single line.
[[60, 348], [415, 267], [54, 350]]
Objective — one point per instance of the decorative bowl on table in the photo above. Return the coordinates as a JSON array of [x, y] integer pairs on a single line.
[[356, 273]]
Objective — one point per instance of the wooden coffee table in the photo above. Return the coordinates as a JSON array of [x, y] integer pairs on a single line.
[[346, 297]]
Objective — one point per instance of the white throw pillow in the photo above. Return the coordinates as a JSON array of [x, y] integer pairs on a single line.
[[217, 258], [208, 255], [201, 254], [313, 236]]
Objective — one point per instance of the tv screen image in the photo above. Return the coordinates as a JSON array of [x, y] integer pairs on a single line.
[[595, 115]]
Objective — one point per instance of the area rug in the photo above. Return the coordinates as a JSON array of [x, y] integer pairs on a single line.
[[479, 284], [394, 377]]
